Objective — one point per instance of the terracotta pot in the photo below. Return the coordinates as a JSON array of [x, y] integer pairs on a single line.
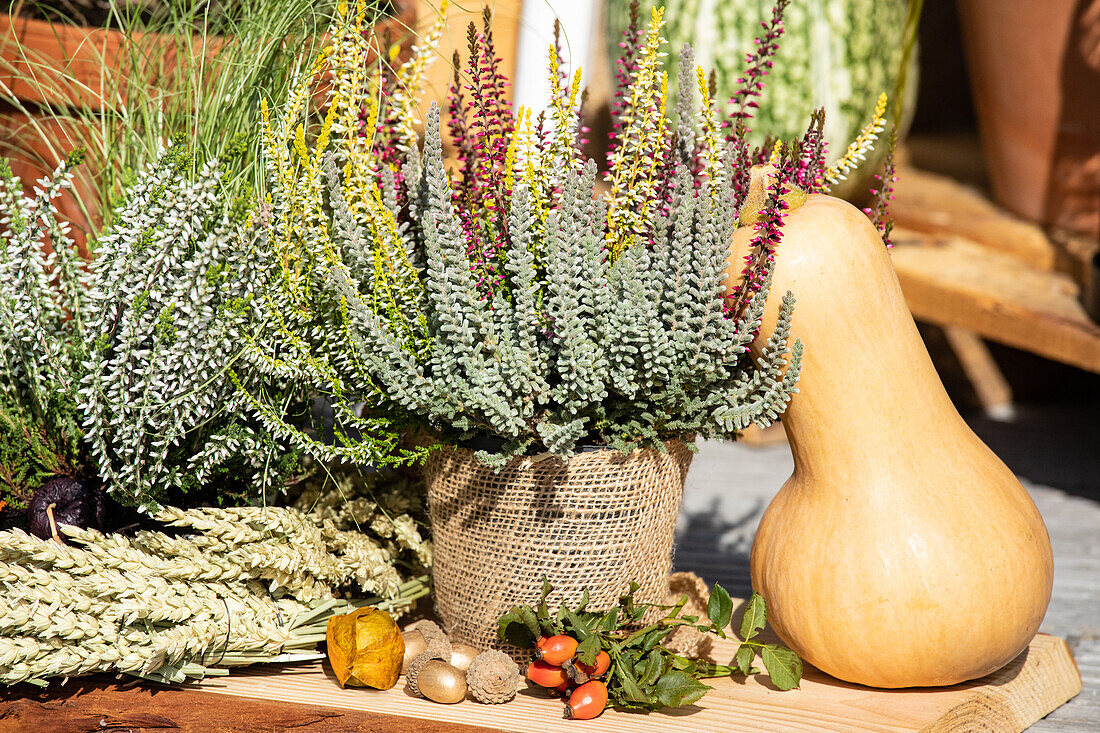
[[68, 63], [1035, 72]]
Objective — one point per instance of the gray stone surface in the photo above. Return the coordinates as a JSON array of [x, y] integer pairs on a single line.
[[729, 486]]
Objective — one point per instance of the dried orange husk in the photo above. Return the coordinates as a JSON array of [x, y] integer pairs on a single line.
[[365, 649]]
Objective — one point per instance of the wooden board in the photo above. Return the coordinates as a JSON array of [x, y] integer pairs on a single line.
[[98, 704], [935, 204], [1037, 682], [953, 281]]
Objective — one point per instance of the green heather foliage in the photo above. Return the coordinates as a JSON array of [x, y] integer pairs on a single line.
[[509, 300], [117, 366]]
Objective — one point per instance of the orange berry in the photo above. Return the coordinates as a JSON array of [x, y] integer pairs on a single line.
[[557, 649], [587, 701], [546, 675]]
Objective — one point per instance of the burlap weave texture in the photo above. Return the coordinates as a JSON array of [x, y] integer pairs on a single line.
[[595, 522]]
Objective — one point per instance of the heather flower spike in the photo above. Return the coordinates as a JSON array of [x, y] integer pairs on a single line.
[[860, 147], [758, 63], [882, 192]]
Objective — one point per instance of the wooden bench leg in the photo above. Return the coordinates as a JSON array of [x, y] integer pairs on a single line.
[[992, 389]]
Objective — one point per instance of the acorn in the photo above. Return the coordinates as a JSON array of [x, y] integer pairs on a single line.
[[412, 672], [463, 655], [493, 677], [428, 629], [440, 682], [415, 645]]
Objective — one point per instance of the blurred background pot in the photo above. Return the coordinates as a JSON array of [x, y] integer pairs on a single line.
[[836, 54], [1035, 73]]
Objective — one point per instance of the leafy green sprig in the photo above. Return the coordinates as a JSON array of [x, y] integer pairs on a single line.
[[644, 674]]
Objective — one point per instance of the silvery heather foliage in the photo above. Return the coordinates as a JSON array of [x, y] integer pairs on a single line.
[[167, 305], [120, 361], [41, 345], [512, 300]]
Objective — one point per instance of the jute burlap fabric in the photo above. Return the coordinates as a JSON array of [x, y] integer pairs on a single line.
[[597, 521]]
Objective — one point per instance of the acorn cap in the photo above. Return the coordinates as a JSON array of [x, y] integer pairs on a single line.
[[430, 630], [412, 674], [493, 677], [439, 648]]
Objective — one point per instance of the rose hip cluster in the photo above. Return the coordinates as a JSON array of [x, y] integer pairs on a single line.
[[556, 668]]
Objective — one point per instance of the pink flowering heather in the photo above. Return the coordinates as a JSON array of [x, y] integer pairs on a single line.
[[460, 127], [768, 232], [626, 66], [483, 127], [810, 155], [882, 191], [758, 64], [744, 100]]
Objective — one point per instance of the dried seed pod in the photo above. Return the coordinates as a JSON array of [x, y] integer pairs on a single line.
[[440, 682], [365, 648], [463, 655], [493, 677], [576, 674]]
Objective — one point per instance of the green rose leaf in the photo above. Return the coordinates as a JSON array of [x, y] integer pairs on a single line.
[[588, 649], [720, 607], [783, 665], [610, 620], [743, 659], [530, 621], [654, 665], [512, 629], [755, 616], [676, 688], [629, 685]]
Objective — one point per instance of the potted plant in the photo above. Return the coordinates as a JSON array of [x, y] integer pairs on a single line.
[[1043, 147], [558, 350], [119, 80]]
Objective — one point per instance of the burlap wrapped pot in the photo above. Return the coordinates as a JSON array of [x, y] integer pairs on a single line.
[[596, 521]]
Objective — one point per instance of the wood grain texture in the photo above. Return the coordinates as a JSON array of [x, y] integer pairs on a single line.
[[936, 204], [1009, 700], [952, 281], [98, 704], [992, 389]]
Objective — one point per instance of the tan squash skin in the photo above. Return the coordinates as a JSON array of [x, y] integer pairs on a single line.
[[901, 551]]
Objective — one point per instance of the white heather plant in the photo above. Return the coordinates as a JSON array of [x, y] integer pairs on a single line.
[[510, 301], [114, 370], [168, 300]]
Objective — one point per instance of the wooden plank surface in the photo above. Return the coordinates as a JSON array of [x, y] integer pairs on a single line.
[[935, 204], [953, 281], [96, 704], [1037, 682]]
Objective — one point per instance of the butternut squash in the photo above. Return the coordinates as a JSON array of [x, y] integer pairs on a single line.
[[901, 551]]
